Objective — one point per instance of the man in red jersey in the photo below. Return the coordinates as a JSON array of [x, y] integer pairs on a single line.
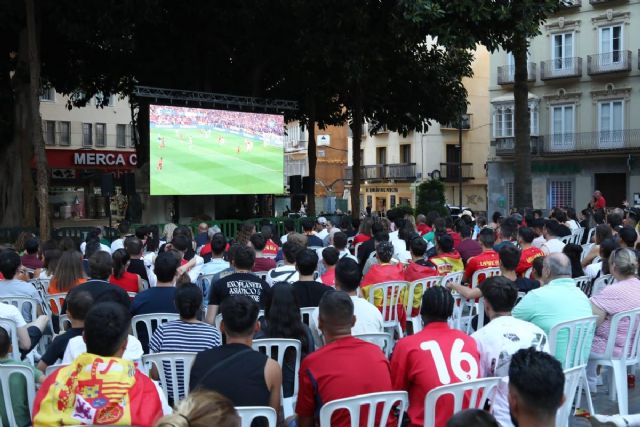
[[344, 367], [529, 252], [418, 268], [487, 259], [600, 202], [435, 356], [421, 225]]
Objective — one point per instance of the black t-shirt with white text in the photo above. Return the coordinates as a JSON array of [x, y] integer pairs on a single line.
[[239, 284]]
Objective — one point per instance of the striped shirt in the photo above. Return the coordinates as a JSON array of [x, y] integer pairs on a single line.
[[179, 335]]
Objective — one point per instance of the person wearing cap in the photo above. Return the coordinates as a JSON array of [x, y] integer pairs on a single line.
[[321, 228]]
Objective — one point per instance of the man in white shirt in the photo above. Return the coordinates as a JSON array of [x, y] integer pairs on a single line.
[[501, 338], [538, 227], [550, 232], [123, 231], [28, 333], [287, 272], [368, 317]]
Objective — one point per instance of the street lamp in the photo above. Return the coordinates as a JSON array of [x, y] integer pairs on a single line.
[[463, 123]]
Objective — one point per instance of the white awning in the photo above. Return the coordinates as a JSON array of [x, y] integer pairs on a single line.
[[509, 98]]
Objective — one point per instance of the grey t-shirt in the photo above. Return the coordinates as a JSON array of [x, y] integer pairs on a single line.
[[18, 288]]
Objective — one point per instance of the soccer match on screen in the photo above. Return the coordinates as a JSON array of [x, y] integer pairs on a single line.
[[202, 151]]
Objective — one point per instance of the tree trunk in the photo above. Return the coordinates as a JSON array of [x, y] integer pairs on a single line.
[[356, 130], [522, 159], [42, 175], [312, 159]]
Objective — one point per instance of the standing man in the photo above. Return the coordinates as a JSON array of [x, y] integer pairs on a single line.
[[599, 200]]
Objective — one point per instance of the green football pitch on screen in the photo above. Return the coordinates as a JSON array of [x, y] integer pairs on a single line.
[[241, 153]]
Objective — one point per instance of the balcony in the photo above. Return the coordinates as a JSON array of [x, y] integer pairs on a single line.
[[506, 73], [398, 172], [602, 2], [450, 172], [505, 146], [611, 62], [561, 68], [567, 4]]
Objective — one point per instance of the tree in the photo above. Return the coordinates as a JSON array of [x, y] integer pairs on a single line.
[[508, 24], [430, 197]]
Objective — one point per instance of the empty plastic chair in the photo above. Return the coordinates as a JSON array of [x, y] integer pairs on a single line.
[[392, 294], [468, 395], [422, 285], [389, 401], [629, 321], [250, 413], [381, 339], [169, 365], [6, 372], [578, 336], [572, 379]]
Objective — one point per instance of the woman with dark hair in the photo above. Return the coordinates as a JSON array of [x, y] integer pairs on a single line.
[[120, 277], [574, 251], [247, 229], [183, 230], [364, 233], [603, 232], [51, 254], [572, 220], [601, 268], [68, 274], [496, 219], [283, 320]]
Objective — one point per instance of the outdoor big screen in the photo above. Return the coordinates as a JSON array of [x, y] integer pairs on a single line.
[[195, 151]]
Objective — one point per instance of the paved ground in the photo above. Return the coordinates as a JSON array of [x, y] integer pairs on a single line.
[[603, 405]]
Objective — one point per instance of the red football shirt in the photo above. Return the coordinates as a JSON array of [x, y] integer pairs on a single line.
[[423, 229], [270, 248], [360, 238], [435, 356], [487, 259], [526, 259], [344, 368], [601, 203]]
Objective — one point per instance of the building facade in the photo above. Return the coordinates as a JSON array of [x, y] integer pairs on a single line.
[[393, 164], [83, 145], [584, 107]]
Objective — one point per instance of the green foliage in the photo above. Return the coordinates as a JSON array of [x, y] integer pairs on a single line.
[[400, 211], [430, 197]]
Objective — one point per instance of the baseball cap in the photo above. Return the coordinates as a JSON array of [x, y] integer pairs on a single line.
[[322, 220]]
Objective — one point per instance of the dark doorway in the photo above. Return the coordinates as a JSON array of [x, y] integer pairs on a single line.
[[613, 187], [453, 160]]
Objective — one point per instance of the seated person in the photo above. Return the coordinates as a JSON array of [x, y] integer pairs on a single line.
[[136, 400], [536, 388], [530, 252], [330, 258], [307, 290], [323, 380], [14, 283], [262, 263], [242, 282], [287, 272], [421, 361], [130, 282], [137, 265], [17, 385], [31, 258], [28, 334], [235, 370], [382, 272], [487, 259], [78, 305], [419, 268], [473, 417], [447, 260]]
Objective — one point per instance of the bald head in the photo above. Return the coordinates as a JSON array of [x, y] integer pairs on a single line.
[[555, 266], [203, 227], [335, 314]]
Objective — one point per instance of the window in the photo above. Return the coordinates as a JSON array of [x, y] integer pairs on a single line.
[[381, 155], [560, 193], [610, 124], [87, 135], [120, 136], [509, 191], [405, 153], [562, 50], [49, 132], [47, 94], [610, 45], [99, 98], [562, 127], [503, 121], [64, 133], [101, 135]]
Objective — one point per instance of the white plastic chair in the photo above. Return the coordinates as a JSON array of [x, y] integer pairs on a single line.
[[478, 391], [306, 313], [12, 330], [628, 356], [64, 322], [149, 319], [585, 284], [586, 248], [6, 371], [204, 282], [381, 339], [426, 283], [392, 293], [25, 305], [218, 319], [355, 249], [566, 239], [269, 346], [473, 306], [527, 274], [389, 399], [572, 377], [168, 363], [250, 413], [577, 235], [261, 274], [52, 368], [145, 284], [579, 337], [592, 231], [455, 278], [600, 283]]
